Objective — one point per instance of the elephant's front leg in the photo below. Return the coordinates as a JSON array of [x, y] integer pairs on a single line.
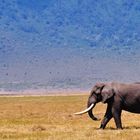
[[116, 112], [107, 117]]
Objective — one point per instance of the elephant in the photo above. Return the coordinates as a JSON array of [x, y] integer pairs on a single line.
[[118, 96]]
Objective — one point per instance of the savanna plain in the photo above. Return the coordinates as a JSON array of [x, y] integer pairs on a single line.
[[51, 118]]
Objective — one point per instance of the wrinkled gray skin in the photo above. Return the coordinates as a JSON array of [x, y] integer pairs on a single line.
[[118, 96]]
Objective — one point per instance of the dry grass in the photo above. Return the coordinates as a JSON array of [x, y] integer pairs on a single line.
[[51, 118]]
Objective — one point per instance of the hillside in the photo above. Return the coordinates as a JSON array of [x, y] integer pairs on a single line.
[[68, 44]]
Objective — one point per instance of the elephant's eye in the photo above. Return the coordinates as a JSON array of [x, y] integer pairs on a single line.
[[97, 91]]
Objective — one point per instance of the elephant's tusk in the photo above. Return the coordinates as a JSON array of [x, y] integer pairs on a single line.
[[85, 111]]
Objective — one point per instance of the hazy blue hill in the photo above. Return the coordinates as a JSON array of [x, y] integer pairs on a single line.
[[62, 43]]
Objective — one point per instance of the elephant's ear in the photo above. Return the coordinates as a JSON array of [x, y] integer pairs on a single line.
[[107, 93]]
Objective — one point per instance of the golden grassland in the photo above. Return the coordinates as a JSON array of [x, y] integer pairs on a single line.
[[51, 118]]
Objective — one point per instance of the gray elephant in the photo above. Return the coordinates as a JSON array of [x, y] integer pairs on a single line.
[[118, 96]]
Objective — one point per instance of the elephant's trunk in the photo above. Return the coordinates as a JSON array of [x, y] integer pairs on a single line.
[[90, 111], [90, 106]]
